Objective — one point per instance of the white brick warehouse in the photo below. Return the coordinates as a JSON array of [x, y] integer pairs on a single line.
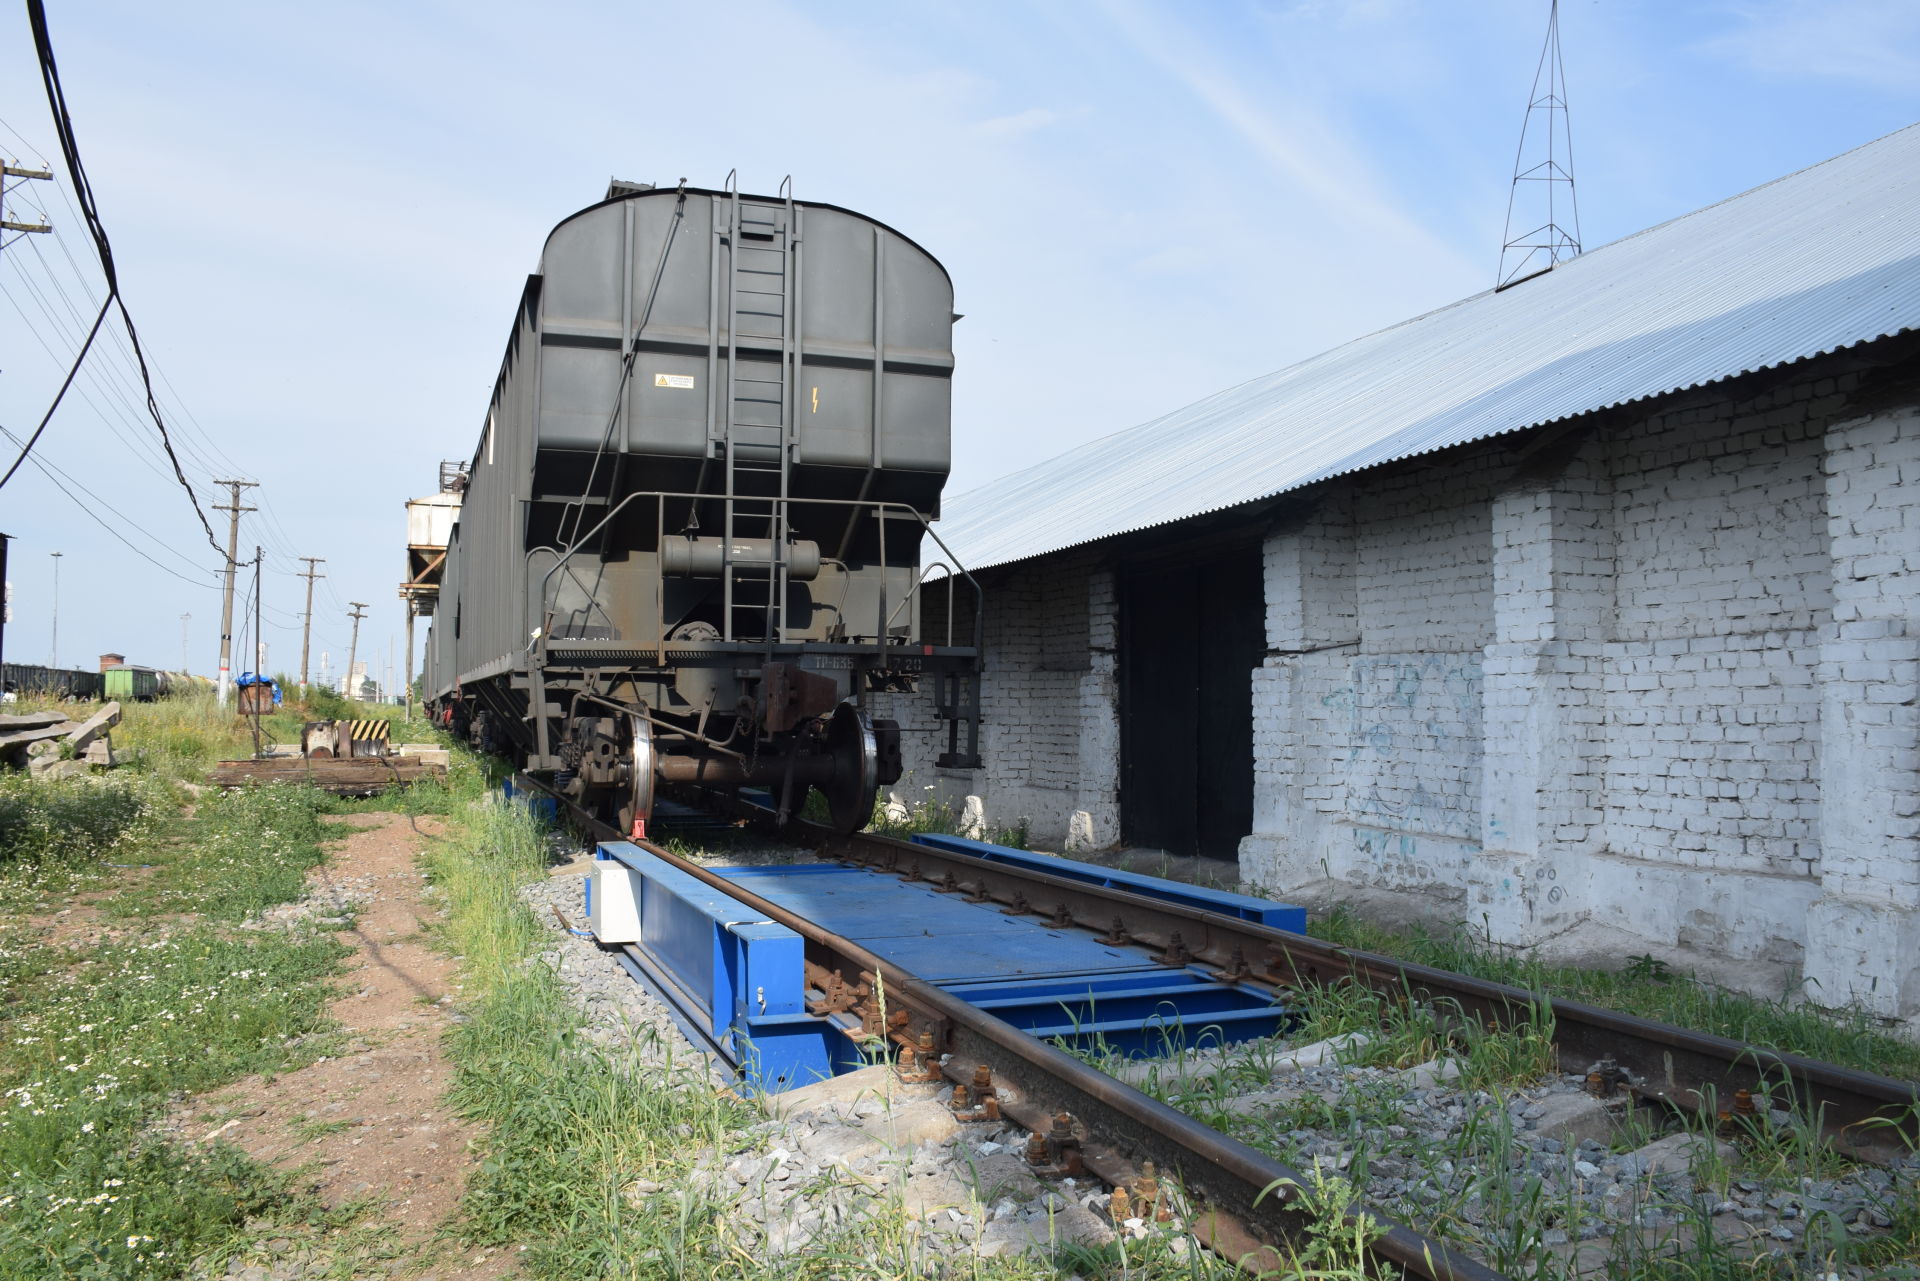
[[1590, 612]]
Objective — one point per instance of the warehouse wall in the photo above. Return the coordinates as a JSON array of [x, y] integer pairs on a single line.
[[1657, 678], [1650, 682], [1050, 742]]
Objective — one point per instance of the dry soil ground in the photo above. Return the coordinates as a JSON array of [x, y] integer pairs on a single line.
[[369, 1125]]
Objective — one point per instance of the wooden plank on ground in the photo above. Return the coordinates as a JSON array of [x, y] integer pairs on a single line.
[[343, 776]]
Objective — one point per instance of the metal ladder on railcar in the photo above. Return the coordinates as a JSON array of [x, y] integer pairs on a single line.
[[758, 424]]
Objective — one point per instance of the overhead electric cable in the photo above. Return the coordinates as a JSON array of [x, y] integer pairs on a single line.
[[83, 190], [48, 471], [57, 398]]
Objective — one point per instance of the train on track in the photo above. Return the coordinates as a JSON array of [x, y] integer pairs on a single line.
[[695, 534]]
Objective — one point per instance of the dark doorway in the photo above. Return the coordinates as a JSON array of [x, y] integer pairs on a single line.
[[1190, 636]]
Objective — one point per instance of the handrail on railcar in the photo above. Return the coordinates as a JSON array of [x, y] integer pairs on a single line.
[[878, 507]]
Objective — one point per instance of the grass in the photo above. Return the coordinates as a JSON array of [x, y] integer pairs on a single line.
[[242, 851], [1850, 1038], [96, 1045]]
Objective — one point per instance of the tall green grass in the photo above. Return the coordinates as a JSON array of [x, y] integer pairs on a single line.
[[1850, 1037], [180, 736]]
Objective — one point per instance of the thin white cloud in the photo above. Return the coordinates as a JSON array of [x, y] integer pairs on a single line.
[[1019, 124], [1875, 43], [1301, 145]]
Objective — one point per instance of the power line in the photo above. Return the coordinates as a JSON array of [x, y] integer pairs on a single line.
[[83, 189], [57, 398], [49, 470]]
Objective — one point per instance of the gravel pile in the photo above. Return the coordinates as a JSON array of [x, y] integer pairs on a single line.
[[1550, 1166], [329, 905]]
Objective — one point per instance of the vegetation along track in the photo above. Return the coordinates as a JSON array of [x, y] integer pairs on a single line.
[[1244, 1198]]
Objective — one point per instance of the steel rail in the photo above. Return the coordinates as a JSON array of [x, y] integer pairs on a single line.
[[1868, 1117], [1861, 1114], [1247, 1203]]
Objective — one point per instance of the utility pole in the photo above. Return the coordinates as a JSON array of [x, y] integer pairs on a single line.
[[259, 677], [185, 658], [306, 625], [6, 605], [53, 659], [7, 224], [353, 649], [233, 508]]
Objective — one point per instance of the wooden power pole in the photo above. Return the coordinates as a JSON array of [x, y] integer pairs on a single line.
[[306, 623]]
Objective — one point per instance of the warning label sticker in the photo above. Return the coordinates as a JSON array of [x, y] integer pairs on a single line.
[[683, 381]]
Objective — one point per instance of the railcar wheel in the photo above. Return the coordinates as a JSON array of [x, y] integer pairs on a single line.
[[637, 804], [855, 752]]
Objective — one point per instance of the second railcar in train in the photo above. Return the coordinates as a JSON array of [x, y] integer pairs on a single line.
[[695, 535]]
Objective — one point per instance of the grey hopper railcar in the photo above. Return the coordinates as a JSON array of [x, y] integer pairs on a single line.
[[691, 542]]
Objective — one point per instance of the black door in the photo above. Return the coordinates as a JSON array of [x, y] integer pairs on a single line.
[[1190, 636]]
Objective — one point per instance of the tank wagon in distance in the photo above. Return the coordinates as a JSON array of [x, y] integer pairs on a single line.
[[695, 540]]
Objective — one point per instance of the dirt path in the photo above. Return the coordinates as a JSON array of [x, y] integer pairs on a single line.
[[370, 1124]]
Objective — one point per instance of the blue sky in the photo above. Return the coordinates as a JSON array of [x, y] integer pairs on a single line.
[[324, 215]]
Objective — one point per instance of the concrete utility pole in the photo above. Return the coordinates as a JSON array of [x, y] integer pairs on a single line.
[[409, 675], [233, 508], [6, 593], [353, 649], [306, 626], [186, 661], [53, 659], [259, 656]]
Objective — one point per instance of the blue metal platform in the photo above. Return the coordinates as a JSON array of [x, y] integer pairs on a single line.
[[739, 981], [1261, 911]]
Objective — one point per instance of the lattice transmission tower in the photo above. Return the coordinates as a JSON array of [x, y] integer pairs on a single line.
[[1542, 194]]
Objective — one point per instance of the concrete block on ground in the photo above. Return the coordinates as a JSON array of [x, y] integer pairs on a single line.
[[95, 726], [1079, 832], [1578, 1118], [896, 1129], [12, 721], [973, 818], [1424, 1076], [1678, 1154], [52, 769], [427, 753], [100, 752], [1198, 1066], [876, 1082], [1069, 1225]]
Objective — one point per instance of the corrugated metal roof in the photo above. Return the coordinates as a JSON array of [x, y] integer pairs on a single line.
[[1819, 260]]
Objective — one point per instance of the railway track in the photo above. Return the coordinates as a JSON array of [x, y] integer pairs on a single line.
[[1247, 1203]]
